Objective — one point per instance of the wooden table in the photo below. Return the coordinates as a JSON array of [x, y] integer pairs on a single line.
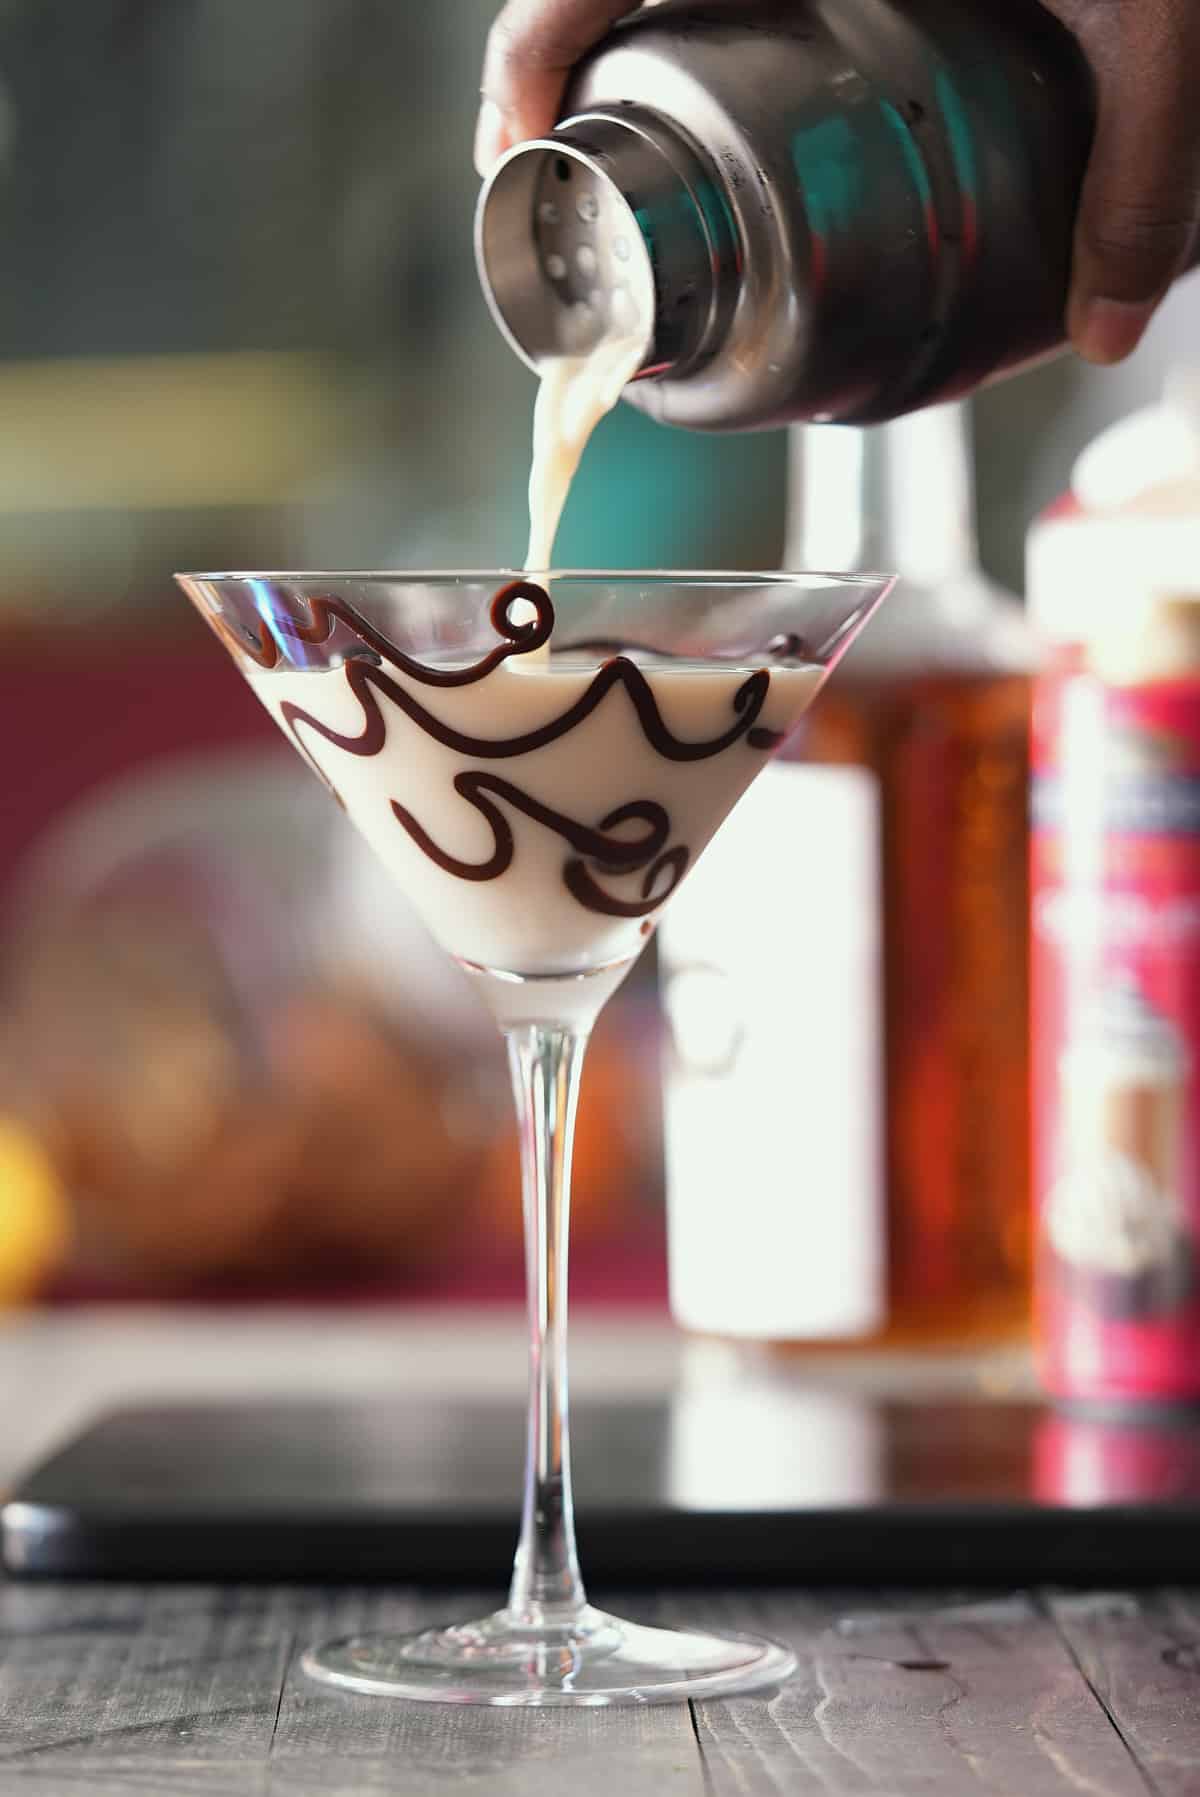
[[179, 1689]]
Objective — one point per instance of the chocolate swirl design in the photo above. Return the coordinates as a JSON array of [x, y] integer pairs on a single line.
[[610, 853], [596, 849], [516, 639]]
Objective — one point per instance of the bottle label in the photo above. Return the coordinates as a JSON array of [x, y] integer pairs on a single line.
[[1116, 1035], [773, 1089]]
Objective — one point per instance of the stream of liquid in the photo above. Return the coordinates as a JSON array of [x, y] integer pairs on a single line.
[[574, 394]]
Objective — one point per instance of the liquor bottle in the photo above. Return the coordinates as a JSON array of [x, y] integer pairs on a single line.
[[898, 967], [1114, 590]]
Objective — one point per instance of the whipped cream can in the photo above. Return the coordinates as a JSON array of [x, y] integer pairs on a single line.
[[1115, 587]]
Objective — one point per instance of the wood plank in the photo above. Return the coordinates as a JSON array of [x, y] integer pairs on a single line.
[[335, 1745], [95, 1674], [438, 1750], [149, 1780], [904, 1695], [188, 1690], [182, 1690], [1140, 1652]]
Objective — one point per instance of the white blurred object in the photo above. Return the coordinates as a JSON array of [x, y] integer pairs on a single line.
[[773, 1119], [1154, 448], [385, 938], [276, 873], [900, 497], [750, 1441], [1098, 568], [1055, 412]]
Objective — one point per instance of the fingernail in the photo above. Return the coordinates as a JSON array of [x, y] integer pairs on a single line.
[[1108, 330], [492, 137]]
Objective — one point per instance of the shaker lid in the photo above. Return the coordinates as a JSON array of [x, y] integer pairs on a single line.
[[1128, 534]]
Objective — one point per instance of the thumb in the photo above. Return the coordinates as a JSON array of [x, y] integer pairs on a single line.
[[530, 50], [1140, 208]]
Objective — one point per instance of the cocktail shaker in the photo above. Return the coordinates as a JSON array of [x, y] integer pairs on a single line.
[[848, 208]]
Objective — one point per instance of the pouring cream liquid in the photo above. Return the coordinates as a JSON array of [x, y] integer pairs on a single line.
[[574, 394], [538, 810]]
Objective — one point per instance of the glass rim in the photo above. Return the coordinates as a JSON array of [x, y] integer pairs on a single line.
[[596, 576]]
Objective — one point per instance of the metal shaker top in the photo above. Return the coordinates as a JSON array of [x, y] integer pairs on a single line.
[[586, 233], [849, 208]]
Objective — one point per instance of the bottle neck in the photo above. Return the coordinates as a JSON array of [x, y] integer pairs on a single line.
[[895, 497]]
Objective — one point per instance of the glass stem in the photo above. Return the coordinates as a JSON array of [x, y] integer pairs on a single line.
[[546, 1062]]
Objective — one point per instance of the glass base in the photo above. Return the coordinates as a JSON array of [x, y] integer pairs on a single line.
[[596, 1659]]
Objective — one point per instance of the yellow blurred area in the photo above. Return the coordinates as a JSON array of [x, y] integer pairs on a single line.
[[35, 1222], [88, 433]]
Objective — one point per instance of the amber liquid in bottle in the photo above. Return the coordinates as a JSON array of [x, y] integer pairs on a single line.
[[934, 704], [950, 753]]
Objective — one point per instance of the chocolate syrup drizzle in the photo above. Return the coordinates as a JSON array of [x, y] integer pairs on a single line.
[[596, 849]]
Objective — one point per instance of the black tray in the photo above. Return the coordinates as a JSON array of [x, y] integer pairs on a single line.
[[816, 1491]]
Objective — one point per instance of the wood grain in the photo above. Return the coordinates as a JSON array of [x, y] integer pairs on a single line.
[[894, 1696], [153, 1778], [91, 1674], [175, 1690], [192, 1689], [1141, 1657]]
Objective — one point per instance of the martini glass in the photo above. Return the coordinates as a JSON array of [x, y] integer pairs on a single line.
[[539, 809]]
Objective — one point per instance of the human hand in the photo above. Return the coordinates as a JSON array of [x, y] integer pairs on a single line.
[[531, 49], [1140, 210]]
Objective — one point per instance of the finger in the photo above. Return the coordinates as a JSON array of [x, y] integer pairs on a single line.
[[1140, 208], [530, 50], [492, 136]]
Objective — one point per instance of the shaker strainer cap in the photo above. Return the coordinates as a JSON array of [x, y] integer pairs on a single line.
[[599, 231]]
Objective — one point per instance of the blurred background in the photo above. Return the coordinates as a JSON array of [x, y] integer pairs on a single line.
[[240, 325]]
